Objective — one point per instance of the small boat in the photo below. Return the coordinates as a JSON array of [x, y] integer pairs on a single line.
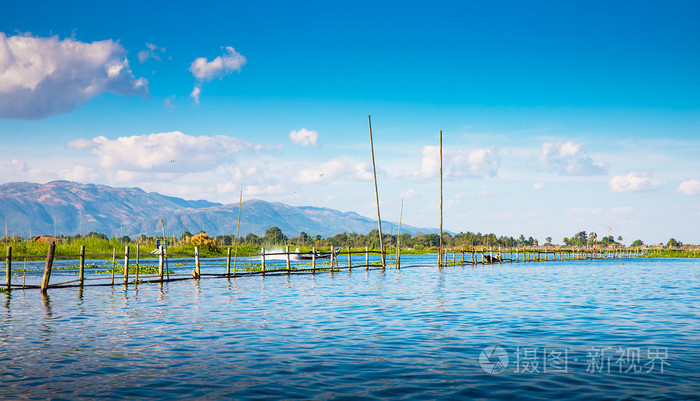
[[492, 258], [319, 255]]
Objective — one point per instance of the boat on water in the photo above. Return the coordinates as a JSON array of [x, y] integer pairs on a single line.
[[318, 255]]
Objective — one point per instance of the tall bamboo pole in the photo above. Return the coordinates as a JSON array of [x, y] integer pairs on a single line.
[[165, 245], [398, 239], [376, 192], [238, 230], [440, 261]]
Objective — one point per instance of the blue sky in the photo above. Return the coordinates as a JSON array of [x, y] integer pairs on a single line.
[[557, 117]]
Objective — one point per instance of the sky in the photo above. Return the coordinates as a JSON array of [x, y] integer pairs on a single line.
[[556, 117]]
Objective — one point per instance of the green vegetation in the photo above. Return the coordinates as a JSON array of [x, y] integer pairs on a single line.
[[98, 246]]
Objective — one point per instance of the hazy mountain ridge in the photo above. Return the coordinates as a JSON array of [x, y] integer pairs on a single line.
[[71, 208]]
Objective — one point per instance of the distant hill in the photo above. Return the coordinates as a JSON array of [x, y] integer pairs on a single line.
[[71, 208]]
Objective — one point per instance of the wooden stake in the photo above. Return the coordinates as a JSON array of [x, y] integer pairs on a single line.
[[47, 268], [440, 260], [349, 260], [137, 262], [238, 230], [286, 252], [367, 257], [196, 262], [262, 254], [313, 259], [160, 262], [376, 194], [8, 269], [81, 273], [126, 264], [398, 239], [228, 262]]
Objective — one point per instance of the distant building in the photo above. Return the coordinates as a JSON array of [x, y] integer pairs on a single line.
[[45, 238]]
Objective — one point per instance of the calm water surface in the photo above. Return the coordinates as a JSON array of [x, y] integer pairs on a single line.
[[575, 330]]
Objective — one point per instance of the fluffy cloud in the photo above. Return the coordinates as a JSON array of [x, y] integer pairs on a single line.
[[40, 77], [538, 186], [151, 51], [195, 94], [221, 66], [304, 137], [169, 152], [635, 182], [475, 164], [334, 169], [690, 187], [569, 158]]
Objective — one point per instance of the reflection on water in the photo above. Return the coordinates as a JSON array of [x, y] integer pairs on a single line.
[[415, 333]]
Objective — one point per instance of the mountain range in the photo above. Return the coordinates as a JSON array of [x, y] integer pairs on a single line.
[[63, 207]]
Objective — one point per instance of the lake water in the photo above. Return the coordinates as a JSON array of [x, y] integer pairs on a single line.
[[605, 329]]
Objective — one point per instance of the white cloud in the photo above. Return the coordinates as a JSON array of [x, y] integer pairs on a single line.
[[538, 186], [195, 94], [80, 173], [40, 77], [151, 51], [569, 158], [205, 70], [19, 165], [169, 152], [333, 170], [304, 137], [690, 187], [475, 164], [635, 182], [221, 66]]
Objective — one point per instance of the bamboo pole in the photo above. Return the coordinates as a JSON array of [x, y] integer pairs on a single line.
[[81, 272], [238, 230], [398, 239], [228, 262], [313, 259], [8, 269], [440, 260], [126, 264], [262, 255], [165, 249], [138, 248], [160, 262], [376, 193], [47, 268], [196, 262], [349, 260], [286, 252]]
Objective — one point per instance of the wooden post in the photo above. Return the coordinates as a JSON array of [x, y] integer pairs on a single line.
[[398, 238], [138, 248], [114, 262], [126, 264], [262, 255], [160, 262], [376, 194], [228, 262], [196, 262], [8, 269], [349, 260], [238, 230], [313, 259], [81, 272], [332, 258], [286, 252], [47, 268], [440, 260]]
